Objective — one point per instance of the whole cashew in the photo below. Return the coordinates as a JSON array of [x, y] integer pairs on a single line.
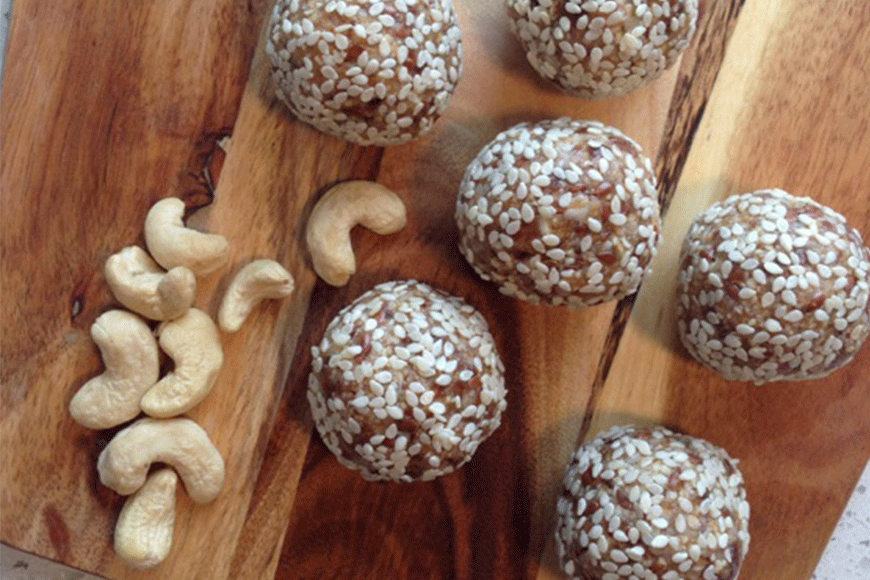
[[123, 464], [172, 244], [132, 363], [336, 213], [142, 286], [259, 280], [193, 342], [143, 532]]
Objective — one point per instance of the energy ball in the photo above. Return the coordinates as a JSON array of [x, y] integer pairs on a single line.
[[406, 383], [602, 48], [773, 287], [648, 503], [560, 212], [369, 71]]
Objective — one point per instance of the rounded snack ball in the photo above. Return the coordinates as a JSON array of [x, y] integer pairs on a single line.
[[773, 287], [602, 48], [406, 383], [648, 503], [369, 71], [560, 212]]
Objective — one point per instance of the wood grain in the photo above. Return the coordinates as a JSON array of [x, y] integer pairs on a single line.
[[98, 123]]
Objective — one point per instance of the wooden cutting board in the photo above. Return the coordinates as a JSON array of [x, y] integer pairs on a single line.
[[109, 106]]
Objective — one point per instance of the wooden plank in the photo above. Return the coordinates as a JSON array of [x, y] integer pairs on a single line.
[[698, 72], [770, 122], [106, 108], [489, 520]]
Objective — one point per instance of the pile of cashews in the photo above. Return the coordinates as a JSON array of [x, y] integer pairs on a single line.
[[162, 287]]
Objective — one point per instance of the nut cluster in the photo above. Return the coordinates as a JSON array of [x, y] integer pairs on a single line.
[[130, 385], [649, 503], [406, 383], [560, 212], [603, 48], [773, 287], [368, 71], [130, 352]]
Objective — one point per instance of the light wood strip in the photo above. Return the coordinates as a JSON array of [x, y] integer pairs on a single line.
[[770, 123]]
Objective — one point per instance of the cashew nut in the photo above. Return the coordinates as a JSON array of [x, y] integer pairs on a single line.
[[336, 213], [172, 244], [259, 280], [142, 286], [180, 442], [143, 532], [193, 342], [132, 363]]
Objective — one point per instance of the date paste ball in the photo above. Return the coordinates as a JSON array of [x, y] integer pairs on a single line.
[[650, 504], [369, 71], [406, 383], [773, 287], [560, 212], [602, 48]]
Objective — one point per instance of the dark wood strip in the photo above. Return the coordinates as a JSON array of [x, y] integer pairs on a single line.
[[698, 73]]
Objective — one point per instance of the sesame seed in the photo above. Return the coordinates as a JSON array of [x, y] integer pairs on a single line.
[[618, 219], [773, 268], [746, 293]]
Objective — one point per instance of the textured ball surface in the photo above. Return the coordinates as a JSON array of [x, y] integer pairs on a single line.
[[560, 212], [647, 503], [773, 287], [406, 383], [602, 48], [369, 71]]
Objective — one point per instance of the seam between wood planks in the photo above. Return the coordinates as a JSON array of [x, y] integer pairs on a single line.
[[691, 93]]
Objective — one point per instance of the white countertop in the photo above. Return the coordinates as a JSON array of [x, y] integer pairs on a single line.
[[847, 556]]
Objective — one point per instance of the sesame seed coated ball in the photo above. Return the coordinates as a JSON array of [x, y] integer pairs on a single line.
[[650, 504], [406, 383], [773, 287], [602, 48], [560, 212], [369, 71]]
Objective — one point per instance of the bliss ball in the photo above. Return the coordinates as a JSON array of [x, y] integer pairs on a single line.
[[369, 71], [773, 287], [602, 48], [560, 212], [406, 383], [643, 502]]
